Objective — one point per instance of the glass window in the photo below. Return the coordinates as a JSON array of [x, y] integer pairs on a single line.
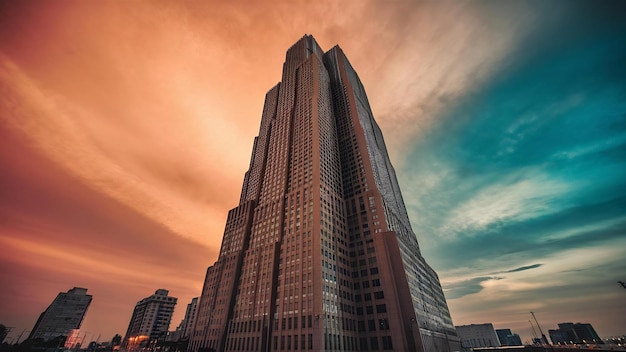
[[374, 343], [387, 345], [371, 325]]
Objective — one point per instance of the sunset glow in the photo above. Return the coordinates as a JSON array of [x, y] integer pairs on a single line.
[[127, 128]]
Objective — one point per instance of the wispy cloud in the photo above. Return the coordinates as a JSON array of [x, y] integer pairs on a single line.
[[466, 287], [521, 268], [168, 187], [529, 168], [473, 285], [455, 54]]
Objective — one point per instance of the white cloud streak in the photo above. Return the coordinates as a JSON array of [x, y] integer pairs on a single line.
[[514, 198]]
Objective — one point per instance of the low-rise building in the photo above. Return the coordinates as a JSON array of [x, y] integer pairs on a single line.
[[150, 320], [477, 335], [65, 314], [507, 338]]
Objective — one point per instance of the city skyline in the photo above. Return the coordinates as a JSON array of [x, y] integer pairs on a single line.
[[505, 123]]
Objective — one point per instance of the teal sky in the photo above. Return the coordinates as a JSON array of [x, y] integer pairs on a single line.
[[518, 190]]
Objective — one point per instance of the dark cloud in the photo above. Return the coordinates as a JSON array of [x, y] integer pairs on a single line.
[[524, 268], [521, 268], [466, 287], [530, 240]]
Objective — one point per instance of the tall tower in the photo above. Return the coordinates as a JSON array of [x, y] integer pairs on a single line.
[[150, 320], [319, 254], [184, 328], [65, 313]]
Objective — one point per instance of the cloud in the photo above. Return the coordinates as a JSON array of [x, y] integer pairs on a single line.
[[173, 104], [169, 188], [59, 233], [474, 285], [533, 239], [521, 268], [534, 154], [438, 64], [511, 199], [567, 279], [466, 287], [528, 267]]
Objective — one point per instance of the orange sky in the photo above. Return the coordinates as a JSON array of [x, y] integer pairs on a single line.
[[130, 126], [127, 127]]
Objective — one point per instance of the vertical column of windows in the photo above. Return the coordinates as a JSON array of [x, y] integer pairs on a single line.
[[253, 181], [366, 299], [295, 286], [269, 217], [337, 297]]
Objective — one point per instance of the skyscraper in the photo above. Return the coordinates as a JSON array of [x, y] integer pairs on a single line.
[[150, 320], [184, 328], [64, 314], [320, 254]]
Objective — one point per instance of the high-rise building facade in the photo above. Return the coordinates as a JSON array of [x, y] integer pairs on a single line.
[[319, 254], [65, 314], [150, 320], [184, 328], [190, 317]]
